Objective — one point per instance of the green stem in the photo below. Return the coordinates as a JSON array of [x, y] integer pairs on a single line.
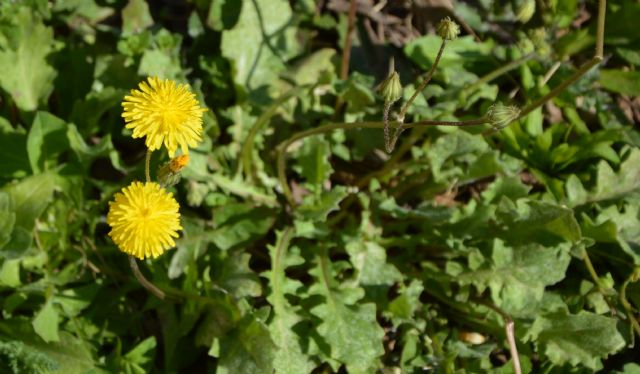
[[424, 83], [144, 281], [147, 166], [561, 87], [281, 149], [625, 303], [496, 73], [247, 148]]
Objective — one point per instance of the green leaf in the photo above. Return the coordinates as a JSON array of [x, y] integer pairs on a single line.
[[30, 197], [46, 323], [289, 357], [247, 349], [136, 17], [518, 275], [609, 184], [47, 138], [13, 153], [7, 218], [621, 81], [240, 224], [350, 328], [317, 208], [267, 40], [370, 260], [313, 162], [235, 276], [579, 339], [70, 354], [139, 359], [25, 44]]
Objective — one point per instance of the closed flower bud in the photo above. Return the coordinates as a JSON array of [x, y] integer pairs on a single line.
[[169, 173], [500, 115], [391, 88], [448, 29], [526, 10]]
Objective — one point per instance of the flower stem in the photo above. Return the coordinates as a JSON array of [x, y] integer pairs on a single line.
[[147, 166], [625, 303], [281, 149], [424, 83], [144, 281]]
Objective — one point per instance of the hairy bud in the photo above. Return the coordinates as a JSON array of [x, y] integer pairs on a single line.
[[500, 115], [526, 10], [391, 88], [448, 29]]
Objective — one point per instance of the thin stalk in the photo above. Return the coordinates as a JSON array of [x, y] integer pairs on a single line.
[[281, 149], [561, 87], [247, 147], [627, 306], [424, 83], [147, 166], [346, 50], [592, 271], [144, 281], [602, 7], [509, 329], [497, 72]]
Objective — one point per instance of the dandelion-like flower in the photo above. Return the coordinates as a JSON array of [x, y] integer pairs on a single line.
[[166, 113], [144, 220]]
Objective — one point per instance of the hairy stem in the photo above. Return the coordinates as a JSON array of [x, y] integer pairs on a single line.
[[147, 166], [281, 149], [625, 303], [144, 281], [509, 329], [247, 147], [424, 83]]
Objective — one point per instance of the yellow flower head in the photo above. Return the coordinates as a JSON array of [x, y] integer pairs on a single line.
[[144, 220], [164, 112]]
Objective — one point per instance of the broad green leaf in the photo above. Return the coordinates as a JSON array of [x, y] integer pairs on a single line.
[[247, 349], [609, 184], [289, 356], [46, 323], [30, 197], [7, 218], [267, 41], [620, 81], [518, 275], [579, 339], [350, 328], [70, 354], [135, 17], [370, 260], [236, 276], [47, 138], [243, 224], [313, 162], [139, 359], [13, 153], [25, 45], [317, 208]]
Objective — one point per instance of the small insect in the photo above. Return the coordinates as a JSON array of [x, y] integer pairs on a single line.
[[169, 173], [178, 163]]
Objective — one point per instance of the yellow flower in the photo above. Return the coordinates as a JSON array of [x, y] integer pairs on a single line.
[[164, 112], [144, 220]]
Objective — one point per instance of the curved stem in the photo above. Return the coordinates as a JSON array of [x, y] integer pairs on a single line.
[[625, 303], [147, 166], [496, 73], [281, 149], [509, 329], [246, 153], [144, 281], [424, 83], [582, 70]]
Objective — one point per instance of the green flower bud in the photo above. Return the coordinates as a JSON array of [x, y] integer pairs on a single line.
[[391, 88], [539, 39], [448, 29], [501, 116], [526, 10]]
